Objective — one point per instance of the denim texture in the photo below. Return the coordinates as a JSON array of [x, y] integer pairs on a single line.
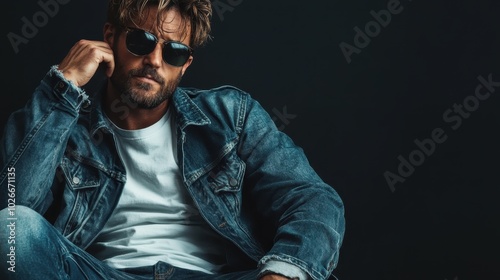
[[43, 253], [251, 183]]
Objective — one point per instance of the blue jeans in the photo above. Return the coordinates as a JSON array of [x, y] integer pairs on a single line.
[[33, 249]]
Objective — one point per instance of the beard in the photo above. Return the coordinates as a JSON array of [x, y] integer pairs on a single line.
[[137, 95]]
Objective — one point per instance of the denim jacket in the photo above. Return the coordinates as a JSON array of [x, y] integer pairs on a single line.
[[251, 183]]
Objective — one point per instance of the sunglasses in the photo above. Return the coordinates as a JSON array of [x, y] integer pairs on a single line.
[[140, 42]]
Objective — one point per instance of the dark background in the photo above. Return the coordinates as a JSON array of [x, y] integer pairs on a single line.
[[352, 119]]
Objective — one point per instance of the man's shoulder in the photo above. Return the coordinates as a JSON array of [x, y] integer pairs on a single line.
[[215, 103]]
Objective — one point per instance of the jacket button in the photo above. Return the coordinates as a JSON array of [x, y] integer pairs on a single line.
[[76, 180], [233, 182], [86, 104]]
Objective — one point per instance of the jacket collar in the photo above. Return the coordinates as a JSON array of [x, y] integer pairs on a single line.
[[186, 111]]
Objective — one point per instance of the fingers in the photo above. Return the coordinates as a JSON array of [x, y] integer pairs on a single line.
[[106, 57], [83, 60]]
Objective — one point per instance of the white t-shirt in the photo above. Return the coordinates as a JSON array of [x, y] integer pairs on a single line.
[[156, 219]]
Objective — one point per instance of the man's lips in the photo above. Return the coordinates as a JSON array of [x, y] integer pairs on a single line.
[[147, 78]]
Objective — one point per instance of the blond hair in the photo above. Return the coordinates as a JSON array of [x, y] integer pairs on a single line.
[[196, 14]]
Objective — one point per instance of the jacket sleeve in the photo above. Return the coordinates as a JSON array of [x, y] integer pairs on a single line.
[[306, 214], [34, 141]]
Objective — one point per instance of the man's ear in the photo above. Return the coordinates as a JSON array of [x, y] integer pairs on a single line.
[[109, 32], [186, 65]]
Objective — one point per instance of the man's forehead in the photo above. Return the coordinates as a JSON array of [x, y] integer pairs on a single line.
[[169, 24]]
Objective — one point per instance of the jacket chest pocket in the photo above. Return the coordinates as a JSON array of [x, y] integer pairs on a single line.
[[79, 176], [81, 192], [226, 180]]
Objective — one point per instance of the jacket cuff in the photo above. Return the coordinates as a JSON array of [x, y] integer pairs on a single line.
[[283, 268], [64, 89]]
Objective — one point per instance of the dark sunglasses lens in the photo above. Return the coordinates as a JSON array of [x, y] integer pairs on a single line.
[[140, 42], [176, 54]]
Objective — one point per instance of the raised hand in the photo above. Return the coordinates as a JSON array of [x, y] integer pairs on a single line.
[[83, 60]]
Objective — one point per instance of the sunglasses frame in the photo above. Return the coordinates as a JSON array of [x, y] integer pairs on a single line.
[[157, 40]]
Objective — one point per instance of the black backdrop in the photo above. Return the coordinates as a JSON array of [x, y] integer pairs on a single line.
[[407, 79]]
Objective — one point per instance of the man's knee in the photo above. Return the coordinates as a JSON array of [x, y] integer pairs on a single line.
[[28, 244], [23, 217], [22, 227]]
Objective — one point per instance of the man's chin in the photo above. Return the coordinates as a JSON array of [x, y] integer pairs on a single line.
[[145, 86], [148, 106], [147, 99]]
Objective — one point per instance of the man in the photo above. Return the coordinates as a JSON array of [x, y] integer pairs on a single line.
[[148, 180]]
